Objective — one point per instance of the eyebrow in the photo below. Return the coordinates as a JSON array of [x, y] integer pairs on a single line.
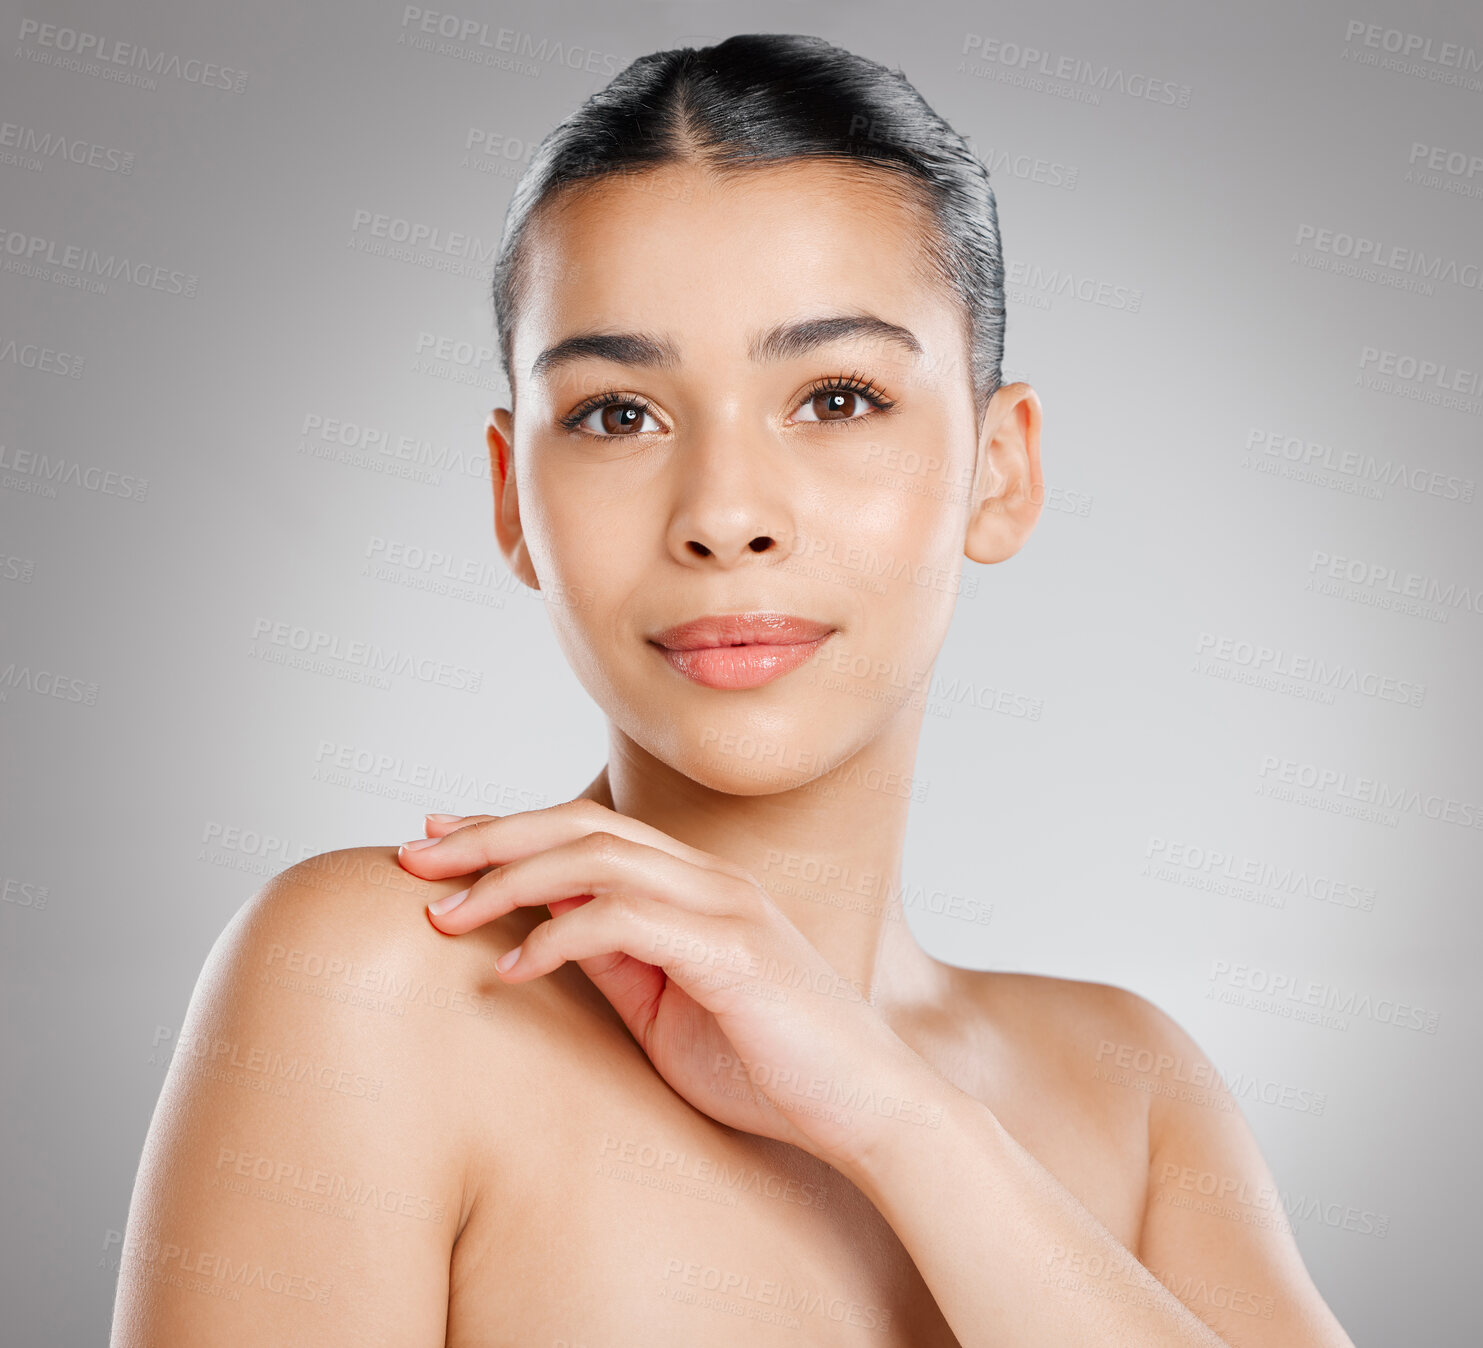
[[786, 341]]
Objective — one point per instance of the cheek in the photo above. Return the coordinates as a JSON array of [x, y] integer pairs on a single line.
[[895, 523], [573, 538], [582, 542], [898, 545]]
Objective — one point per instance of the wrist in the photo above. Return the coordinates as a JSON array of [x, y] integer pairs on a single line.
[[902, 1113]]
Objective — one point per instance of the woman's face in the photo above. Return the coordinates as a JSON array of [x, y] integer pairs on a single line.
[[710, 463]]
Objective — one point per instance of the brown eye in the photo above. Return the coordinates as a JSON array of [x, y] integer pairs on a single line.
[[841, 400], [620, 418], [835, 405], [614, 419]]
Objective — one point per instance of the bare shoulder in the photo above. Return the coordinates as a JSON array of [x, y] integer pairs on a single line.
[[1213, 1227], [1073, 1022], [348, 922], [1129, 1061], [307, 1169], [338, 950]]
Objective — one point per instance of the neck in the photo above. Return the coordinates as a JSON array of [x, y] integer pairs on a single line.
[[828, 853]]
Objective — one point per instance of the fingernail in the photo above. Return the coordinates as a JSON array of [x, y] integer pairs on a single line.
[[443, 818], [419, 842], [447, 902], [506, 962]]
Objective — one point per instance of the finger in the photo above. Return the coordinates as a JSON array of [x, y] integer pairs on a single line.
[[437, 825], [495, 840], [696, 950], [597, 864]]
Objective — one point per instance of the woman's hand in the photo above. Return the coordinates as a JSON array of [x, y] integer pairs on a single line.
[[735, 1008]]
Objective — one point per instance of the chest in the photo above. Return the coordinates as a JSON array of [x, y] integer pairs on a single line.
[[631, 1218]]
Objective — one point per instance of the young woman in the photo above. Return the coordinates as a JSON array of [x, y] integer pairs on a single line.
[[663, 1064]]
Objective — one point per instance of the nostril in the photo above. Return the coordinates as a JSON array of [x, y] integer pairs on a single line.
[[760, 544]]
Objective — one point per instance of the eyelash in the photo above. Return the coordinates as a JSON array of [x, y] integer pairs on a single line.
[[854, 382]]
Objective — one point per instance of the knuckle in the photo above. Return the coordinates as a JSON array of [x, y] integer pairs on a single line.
[[479, 828], [622, 905], [536, 945], [751, 898], [587, 812], [603, 846]]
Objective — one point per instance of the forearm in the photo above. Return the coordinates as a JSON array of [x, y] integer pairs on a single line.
[[1002, 1244]]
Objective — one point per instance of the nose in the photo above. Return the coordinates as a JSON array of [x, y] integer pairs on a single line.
[[761, 543], [730, 505]]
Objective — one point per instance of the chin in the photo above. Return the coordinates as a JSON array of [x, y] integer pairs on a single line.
[[760, 752]]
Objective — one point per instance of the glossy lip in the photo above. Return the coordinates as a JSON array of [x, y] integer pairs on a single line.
[[740, 650], [740, 629]]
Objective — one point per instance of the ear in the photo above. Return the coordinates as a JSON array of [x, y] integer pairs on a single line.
[[1008, 489], [499, 431]]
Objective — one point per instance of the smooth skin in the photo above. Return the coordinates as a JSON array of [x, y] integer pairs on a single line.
[[721, 1095]]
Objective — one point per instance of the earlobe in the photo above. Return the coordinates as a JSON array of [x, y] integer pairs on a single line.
[[1008, 487], [499, 435]]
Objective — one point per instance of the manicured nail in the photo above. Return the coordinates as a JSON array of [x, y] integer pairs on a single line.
[[444, 818], [419, 842], [447, 902], [506, 962]]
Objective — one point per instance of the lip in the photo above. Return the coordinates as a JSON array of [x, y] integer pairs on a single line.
[[740, 650]]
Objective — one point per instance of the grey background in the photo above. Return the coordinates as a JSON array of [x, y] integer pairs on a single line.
[[178, 766]]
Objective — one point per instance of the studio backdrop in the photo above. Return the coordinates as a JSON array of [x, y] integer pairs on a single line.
[[1213, 735]]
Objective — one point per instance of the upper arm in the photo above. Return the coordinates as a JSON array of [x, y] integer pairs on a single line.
[[302, 1178], [1215, 1231]]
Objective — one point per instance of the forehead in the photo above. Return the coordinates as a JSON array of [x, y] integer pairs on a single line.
[[711, 259]]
